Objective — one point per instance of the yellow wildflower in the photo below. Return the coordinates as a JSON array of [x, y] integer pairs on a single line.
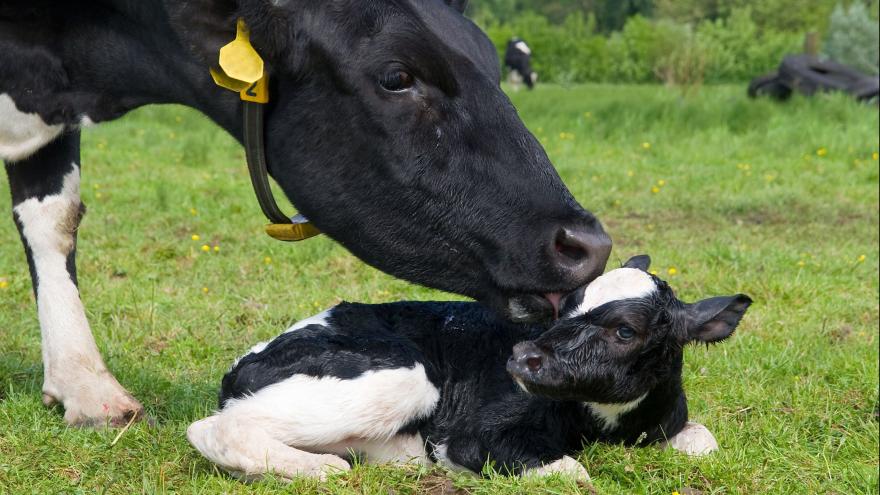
[[655, 189], [653, 272], [98, 195], [769, 177], [646, 145], [3, 283], [661, 182], [875, 156], [205, 290], [821, 152], [630, 173], [802, 263], [267, 260], [216, 249], [861, 258], [206, 248], [195, 237], [193, 212], [672, 270]]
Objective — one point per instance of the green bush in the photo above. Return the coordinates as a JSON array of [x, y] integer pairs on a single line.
[[854, 38], [731, 49]]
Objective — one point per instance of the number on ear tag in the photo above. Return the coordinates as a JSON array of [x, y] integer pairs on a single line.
[[257, 92], [239, 60]]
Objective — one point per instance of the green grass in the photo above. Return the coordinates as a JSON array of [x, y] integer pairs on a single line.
[[747, 205]]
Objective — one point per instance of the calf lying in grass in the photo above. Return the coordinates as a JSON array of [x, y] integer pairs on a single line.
[[416, 381]]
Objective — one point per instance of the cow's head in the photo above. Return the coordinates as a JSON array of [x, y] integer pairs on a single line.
[[621, 337], [388, 129]]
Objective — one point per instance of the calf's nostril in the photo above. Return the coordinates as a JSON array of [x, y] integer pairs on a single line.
[[534, 363]]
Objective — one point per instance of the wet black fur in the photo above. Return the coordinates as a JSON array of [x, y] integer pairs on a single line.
[[442, 185]]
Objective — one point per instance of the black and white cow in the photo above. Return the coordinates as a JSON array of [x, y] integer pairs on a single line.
[[386, 127], [518, 58], [451, 383]]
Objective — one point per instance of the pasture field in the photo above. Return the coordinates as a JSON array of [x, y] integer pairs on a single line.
[[779, 201]]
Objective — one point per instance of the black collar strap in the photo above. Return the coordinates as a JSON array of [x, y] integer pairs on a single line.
[[241, 70]]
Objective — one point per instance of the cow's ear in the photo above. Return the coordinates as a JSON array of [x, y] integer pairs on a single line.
[[641, 262], [458, 5], [204, 26], [715, 319]]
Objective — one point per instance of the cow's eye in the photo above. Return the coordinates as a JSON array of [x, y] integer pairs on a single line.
[[625, 333], [396, 81]]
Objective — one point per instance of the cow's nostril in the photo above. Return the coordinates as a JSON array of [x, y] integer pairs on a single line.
[[534, 363], [571, 246]]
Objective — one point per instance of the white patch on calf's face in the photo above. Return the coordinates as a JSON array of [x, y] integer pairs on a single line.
[[609, 414], [622, 283], [22, 134]]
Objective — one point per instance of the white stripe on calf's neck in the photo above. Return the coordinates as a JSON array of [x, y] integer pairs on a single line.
[[609, 414]]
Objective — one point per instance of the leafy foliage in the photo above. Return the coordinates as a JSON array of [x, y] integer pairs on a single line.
[[638, 40], [854, 38]]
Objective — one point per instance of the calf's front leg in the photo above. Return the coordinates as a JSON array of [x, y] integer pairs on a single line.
[[47, 211]]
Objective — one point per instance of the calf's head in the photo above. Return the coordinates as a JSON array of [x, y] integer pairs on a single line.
[[388, 129], [621, 336]]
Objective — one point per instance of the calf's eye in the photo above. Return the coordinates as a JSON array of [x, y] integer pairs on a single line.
[[396, 81], [625, 333]]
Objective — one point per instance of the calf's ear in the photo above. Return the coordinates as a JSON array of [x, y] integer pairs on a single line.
[[715, 319], [640, 262], [458, 5]]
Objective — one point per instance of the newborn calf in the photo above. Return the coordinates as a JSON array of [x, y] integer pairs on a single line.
[[438, 382]]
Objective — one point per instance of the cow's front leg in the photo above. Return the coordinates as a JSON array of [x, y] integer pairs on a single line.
[[47, 210]]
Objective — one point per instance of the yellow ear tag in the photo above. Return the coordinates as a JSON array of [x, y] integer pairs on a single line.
[[224, 81], [257, 92], [239, 60]]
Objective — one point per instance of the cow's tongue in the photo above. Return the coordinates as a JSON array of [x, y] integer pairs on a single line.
[[553, 298]]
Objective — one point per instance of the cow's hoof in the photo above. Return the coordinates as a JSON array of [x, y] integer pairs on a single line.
[[93, 403], [566, 466], [694, 439]]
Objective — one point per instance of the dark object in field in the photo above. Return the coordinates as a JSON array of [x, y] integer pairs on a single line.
[[518, 58], [808, 75]]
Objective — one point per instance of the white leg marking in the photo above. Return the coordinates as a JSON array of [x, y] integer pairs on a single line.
[[22, 134], [610, 413], [399, 449], [243, 448], [695, 440], [327, 414], [565, 466], [74, 372]]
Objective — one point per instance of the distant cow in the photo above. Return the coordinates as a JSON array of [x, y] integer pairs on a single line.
[[518, 58], [453, 384]]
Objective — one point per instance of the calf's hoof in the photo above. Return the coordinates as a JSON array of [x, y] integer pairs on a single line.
[[565, 466], [694, 440]]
